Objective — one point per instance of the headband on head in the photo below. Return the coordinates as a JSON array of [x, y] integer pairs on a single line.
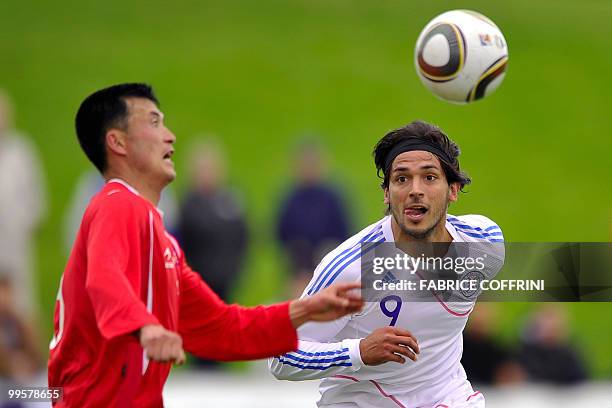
[[412, 144]]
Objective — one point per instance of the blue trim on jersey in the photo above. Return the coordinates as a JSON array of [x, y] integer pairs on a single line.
[[489, 239], [309, 367], [357, 256], [472, 231], [317, 360], [458, 223], [481, 234], [368, 235], [341, 264], [378, 232], [322, 353], [468, 227]]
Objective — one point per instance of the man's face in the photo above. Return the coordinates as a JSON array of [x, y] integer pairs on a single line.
[[149, 144], [419, 193]]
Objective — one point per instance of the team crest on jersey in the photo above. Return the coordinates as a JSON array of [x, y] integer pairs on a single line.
[[472, 276], [170, 259]]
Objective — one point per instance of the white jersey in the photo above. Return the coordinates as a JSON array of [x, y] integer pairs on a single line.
[[330, 351]]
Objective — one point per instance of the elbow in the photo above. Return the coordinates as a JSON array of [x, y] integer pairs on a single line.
[[276, 369]]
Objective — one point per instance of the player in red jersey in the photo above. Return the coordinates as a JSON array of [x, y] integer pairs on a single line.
[[128, 304]]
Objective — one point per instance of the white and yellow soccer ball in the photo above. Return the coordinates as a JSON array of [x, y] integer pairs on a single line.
[[461, 56]]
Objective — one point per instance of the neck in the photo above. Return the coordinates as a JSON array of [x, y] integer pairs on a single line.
[[147, 190]]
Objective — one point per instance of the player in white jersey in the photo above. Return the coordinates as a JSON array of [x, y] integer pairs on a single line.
[[396, 353]]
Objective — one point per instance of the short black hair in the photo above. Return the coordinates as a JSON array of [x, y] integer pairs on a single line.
[[420, 130], [104, 110]]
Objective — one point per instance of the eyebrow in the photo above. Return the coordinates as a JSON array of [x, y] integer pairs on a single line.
[[157, 114], [424, 167]]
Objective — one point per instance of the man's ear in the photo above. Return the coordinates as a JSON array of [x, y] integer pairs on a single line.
[[116, 141], [454, 192], [386, 190]]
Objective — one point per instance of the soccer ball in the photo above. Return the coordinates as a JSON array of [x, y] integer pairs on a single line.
[[461, 56]]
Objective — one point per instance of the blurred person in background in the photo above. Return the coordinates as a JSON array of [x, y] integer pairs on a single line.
[[212, 227], [22, 206], [313, 216], [20, 361], [88, 184], [545, 350], [485, 360]]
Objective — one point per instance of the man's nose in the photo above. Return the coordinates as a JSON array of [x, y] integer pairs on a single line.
[[170, 137], [416, 188]]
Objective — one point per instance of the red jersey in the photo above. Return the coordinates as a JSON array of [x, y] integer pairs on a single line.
[[125, 271]]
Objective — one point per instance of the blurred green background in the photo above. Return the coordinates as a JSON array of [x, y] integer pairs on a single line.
[[258, 74]]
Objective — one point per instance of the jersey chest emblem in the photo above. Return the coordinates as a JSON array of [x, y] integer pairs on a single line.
[[170, 259]]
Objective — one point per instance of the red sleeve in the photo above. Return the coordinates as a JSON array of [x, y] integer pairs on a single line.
[[212, 329], [114, 248]]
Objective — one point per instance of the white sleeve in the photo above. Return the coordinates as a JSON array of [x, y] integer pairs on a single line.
[[320, 353], [316, 356], [315, 360]]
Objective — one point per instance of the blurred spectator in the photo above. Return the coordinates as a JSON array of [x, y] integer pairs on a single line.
[[212, 228], [22, 205], [90, 183], [485, 361], [20, 361], [313, 218], [545, 351]]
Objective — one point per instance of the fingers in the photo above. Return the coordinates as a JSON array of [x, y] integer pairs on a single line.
[[329, 304], [389, 344], [343, 287], [405, 341], [395, 357], [181, 359], [404, 337], [338, 302], [349, 290], [402, 350], [347, 306], [162, 351], [343, 295], [353, 308], [401, 332], [163, 346]]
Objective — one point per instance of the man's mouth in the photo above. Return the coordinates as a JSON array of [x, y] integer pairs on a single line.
[[416, 213], [168, 155]]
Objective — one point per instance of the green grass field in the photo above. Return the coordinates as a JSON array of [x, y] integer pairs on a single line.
[[259, 73]]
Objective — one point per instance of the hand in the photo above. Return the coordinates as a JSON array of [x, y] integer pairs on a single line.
[[162, 345], [329, 304], [388, 344]]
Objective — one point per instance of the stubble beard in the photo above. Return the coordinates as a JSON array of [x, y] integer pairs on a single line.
[[414, 233], [418, 234]]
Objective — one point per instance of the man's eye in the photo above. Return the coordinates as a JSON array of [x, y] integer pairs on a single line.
[[430, 177], [401, 179]]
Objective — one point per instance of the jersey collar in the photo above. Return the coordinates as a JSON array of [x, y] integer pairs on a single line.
[[451, 230], [387, 231], [131, 189], [124, 184]]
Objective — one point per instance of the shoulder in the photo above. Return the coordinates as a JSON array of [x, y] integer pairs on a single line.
[[117, 202], [342, 264], [474, 227], [371, 233]]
